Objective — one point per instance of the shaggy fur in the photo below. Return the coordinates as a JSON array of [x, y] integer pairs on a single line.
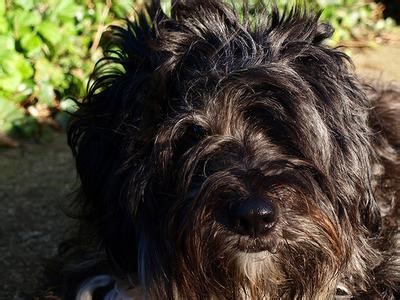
[[192, 113]]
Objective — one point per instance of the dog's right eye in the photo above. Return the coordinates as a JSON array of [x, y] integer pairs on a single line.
[[195, 131], [191, 137]]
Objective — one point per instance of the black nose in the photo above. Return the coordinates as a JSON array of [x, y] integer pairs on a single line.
[[253, 217]]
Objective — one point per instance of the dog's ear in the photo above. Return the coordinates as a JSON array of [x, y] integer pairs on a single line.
[[113, 105], [109, 127], [324, 31]]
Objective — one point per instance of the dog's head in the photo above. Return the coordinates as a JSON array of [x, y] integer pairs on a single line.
[[227, 155]]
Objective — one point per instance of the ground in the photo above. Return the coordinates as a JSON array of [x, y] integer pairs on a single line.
[[381, 62], [36, 182]]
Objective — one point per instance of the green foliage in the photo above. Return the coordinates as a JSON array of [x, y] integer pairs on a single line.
[[354, 19], [48, 48], [47, 52]]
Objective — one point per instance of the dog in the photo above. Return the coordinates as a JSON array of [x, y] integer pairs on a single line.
[[233, 157]]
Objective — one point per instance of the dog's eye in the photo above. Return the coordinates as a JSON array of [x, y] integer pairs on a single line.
[[192, 136], [195, 131]]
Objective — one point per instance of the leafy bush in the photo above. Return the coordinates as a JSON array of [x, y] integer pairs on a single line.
[[47, 52], [354, 19], [48, 49]]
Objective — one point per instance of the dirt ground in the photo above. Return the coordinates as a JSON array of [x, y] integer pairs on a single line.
[[36, 181], [381, 63]]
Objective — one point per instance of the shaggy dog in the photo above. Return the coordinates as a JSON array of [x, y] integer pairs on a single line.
[[233, 157]]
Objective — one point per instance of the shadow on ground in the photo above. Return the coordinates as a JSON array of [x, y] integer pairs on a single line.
[[35, 181]]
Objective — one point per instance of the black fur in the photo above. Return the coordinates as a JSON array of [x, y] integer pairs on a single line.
[[191, 113]]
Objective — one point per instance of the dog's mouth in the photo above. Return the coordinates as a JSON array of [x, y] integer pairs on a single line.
[[249, 244]]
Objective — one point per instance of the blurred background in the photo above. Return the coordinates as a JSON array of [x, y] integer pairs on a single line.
[[47, 50]]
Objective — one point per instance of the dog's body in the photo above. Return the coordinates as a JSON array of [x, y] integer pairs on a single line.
[[236, 160]]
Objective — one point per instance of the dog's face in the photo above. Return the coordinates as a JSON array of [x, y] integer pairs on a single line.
[[228, 159]]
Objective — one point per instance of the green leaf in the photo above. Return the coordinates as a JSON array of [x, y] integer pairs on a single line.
[[6, 63], [31, 18], [46, 71], [24, 91], [68, 105], [9, 62], [67, 9], [57, 77], [10, 77], [2, 7], [7, 43], [50, 32], [9, 112], [3, 25], [24, 22], [26, 4], [43, 69], [329, 2], [24, 68], [45, 93], [31, 43], [123, 7], [10, 83]]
